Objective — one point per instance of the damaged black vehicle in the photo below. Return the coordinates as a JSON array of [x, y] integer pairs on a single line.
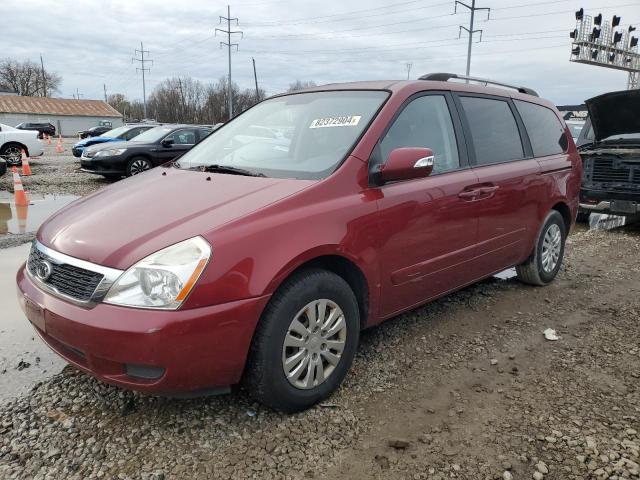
[[610, 148]]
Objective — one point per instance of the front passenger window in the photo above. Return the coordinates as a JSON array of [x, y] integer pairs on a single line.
[[426, 123]]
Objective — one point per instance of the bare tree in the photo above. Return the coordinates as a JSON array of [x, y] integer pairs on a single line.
[[26, 78], [300, 85]]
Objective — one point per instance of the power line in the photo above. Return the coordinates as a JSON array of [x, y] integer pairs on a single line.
[[472, 8], [143, 69], [228, 44]]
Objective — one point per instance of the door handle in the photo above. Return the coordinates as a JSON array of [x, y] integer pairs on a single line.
[[469, 194], [488, 190]]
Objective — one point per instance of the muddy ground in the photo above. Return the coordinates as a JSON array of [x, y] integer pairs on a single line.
[[466, 387]]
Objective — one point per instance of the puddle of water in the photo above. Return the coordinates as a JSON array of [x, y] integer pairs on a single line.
[[24, 357], [507, 274], [14, 219]]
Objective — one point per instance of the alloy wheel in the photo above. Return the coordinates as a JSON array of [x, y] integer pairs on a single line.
[[314, 343], [139, 166], [551, 247]]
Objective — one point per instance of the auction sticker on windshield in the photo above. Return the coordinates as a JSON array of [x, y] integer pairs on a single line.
[[341, 121]]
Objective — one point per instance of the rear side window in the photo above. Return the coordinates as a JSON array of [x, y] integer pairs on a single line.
[[425, 122], [543, 127], [494, 130]]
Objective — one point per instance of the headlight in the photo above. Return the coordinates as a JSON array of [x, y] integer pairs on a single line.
[[111, 152], [163, 279]]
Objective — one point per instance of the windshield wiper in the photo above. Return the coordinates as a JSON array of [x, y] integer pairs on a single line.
[[231, 170]]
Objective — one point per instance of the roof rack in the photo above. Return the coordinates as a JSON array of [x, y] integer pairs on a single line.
[[443, 77]]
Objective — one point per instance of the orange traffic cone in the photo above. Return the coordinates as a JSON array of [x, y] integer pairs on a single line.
[[26, 169], [20, 195], [59, 147], [48, 139], [22, 211]]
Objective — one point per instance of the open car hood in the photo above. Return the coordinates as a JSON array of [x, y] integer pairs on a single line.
[[614, 113]]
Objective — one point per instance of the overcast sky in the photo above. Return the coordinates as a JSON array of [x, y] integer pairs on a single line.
[[92, 42]]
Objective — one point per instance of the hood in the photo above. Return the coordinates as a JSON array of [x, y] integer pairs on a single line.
[[614, 113], [95, 140], [123, 223], [111, 143]]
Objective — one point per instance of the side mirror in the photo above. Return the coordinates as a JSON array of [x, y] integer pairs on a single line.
[[407, 163], [167, 142]]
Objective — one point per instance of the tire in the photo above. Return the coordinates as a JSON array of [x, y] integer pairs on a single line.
[[138, 165], [12, 153], [535, 270], [265, 378]]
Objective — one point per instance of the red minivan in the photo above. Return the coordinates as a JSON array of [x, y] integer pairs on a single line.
[[256, 259]]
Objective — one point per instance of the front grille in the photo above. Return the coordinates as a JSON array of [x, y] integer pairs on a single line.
[[69, 280], [612, 170]]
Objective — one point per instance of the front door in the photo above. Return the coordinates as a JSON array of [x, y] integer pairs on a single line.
[[429, 228], [183, 140]]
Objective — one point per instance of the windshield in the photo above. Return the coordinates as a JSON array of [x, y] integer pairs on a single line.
[[304, 136], [153, 134], [116, 132]]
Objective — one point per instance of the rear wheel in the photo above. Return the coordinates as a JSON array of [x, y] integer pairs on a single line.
[[544, 263], [138, 165], [305, 342]]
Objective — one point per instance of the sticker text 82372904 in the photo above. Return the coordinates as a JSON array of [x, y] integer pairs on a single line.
[[338, 121]]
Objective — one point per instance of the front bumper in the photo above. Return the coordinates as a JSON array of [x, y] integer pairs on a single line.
[[190, 351], [609, 201], [102, 166]]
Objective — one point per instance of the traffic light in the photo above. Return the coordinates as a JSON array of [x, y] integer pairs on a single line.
[[574, 34], [598, 20], [580, 14], [595, 34], [615, 21], [633, 42], [617, 36], [594, 54], [575, 51], [612, 57]]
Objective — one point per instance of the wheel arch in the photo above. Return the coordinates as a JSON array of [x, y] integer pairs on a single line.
[[17, 143], [346, 268], [565, 211]]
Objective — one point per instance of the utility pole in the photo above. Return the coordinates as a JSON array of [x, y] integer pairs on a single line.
[[44, 78], [409, 65], [143, 69], [77, 95], [104, 86], [255, 77], [229, 45], [472, 8]]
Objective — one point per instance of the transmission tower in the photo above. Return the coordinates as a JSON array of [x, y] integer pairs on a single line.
[[472, 8], [143, 61], [229, 46]]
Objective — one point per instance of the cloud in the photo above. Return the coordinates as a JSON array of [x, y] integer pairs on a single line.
[[91, 43]]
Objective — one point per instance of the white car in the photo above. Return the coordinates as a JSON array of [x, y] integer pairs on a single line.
[[13, 141]]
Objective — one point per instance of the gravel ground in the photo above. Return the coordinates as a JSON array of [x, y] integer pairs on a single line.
[[466, 387], [57, 173]]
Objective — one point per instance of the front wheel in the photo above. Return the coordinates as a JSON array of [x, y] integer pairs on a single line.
[[544, 263], [305, 342], [12, 153], [138, 165]]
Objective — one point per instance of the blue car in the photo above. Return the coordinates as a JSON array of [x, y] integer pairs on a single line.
[[119, 134]]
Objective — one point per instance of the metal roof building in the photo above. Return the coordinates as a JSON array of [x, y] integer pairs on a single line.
[[67, 115]]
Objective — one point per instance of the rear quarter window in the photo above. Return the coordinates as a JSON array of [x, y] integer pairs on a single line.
[[545, 131], [494, 131]]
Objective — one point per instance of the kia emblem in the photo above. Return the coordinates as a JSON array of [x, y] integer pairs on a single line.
[[43, 270]]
